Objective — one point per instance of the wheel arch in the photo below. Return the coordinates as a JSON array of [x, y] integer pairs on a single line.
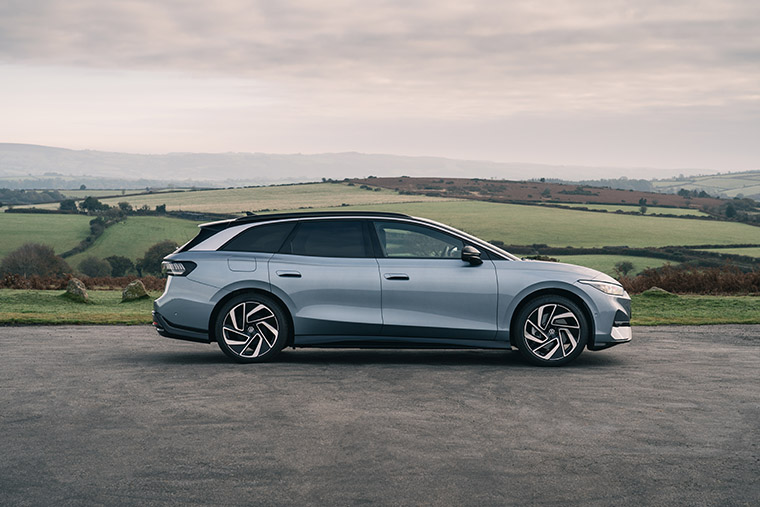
[[249, 290], [555, 291]]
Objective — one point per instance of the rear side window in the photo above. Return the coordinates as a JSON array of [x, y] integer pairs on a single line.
[[267, 238], [322, 238]]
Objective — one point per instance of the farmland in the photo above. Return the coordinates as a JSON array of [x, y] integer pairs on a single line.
[[606, 263], [133, 236], [516, 224], [238, 200], [512, 224], [731, 184], [61, 232]]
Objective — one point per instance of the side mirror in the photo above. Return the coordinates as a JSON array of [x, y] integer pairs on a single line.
[[472, 255]]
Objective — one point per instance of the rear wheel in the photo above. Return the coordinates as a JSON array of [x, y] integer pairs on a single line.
[[551, 331], [251, 328]]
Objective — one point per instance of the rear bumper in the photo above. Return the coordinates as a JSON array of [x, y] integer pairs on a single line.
[[169, 330]]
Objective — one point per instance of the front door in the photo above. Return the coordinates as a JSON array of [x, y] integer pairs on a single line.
[[428, 291]]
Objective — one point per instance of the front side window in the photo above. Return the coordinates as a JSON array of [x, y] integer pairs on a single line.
[[398, 239], [260, 238], [324, 238]]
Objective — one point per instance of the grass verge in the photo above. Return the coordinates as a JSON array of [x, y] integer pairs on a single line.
[[50, 307], [694, 310]]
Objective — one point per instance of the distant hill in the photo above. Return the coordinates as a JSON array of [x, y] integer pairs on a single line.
[[31, 166], [743, 184]]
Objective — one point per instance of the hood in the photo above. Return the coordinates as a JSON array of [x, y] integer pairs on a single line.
[[581, 272]]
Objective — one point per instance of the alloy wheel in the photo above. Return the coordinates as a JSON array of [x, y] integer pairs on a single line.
[[250, 329], [552, 332]]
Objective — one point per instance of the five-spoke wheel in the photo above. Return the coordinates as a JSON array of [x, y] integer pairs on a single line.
[[550, 331], [251, 328]]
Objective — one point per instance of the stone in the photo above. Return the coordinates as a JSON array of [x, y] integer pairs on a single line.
[[135, 290], [76, 291], [657, 292]]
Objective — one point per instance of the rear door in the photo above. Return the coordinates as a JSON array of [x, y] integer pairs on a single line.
[[427, 290], [327, 273]]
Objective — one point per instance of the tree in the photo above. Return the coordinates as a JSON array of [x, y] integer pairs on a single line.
[[82, 187], [68, 205], [92, 266], [92, 204], [161, 209], [622, 268], [125, 207], [120, 266], [151, 262], [730, 210], [34, 259]]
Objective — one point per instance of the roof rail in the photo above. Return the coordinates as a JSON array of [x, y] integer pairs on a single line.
[[310, 214]]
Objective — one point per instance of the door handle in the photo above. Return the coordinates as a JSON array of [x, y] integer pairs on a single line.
[[396, 276], [288, 274]]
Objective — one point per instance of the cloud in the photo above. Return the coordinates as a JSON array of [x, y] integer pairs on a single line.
[[426, 58]]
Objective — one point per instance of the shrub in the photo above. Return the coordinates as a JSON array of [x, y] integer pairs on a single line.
[[92, 266], [151, 262], [34, 259], [693, 280], [120, 266]]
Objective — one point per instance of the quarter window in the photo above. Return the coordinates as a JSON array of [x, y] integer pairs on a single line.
[[260, 238], [398, 239], [321, 238]]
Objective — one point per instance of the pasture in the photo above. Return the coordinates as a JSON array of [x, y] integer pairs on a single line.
[[606, 263], [62, 232], [516, 224], [239, 200], [133, 236]]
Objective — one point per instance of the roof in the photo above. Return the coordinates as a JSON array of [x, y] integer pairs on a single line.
[[302, 214]]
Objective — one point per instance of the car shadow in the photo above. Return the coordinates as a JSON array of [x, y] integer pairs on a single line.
[[391, 357]]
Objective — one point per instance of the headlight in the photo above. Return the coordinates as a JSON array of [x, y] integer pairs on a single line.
[[612, 289], [177, 268]]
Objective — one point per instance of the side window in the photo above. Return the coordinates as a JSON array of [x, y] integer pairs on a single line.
[[260, 238], [398, 239], [325, 238]]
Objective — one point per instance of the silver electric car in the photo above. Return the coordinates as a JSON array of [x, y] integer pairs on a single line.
[[367, 279]]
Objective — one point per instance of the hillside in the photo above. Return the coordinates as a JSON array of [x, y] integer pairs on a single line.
[[743, 184], [533, 191], [31, 166]]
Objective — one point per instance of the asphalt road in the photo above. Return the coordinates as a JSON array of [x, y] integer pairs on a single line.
[[118, 415]]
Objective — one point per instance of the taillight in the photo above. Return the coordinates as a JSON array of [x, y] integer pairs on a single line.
[[177, 268]]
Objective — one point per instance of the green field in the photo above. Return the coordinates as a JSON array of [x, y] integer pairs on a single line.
[[81, 194], [635, 208], [606, 263], [750, 252], [133, 236], [694, 310], [62, 232], [732, 184], [238, 200], [526, 225], [50, 307]]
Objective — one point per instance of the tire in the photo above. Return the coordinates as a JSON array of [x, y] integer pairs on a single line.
[[251, 328], [550, 331]]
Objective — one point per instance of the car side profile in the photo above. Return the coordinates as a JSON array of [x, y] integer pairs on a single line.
[[260, 283]]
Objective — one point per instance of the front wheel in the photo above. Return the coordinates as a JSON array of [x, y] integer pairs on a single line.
[[251, 328], [550, 331]]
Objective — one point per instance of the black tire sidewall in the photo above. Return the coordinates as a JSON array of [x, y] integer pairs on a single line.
[[519, 326], [282, 321]]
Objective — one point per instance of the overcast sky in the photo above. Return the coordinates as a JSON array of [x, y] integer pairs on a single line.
[[657, 83]]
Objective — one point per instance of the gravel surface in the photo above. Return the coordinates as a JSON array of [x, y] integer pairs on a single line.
[[118, 415]]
